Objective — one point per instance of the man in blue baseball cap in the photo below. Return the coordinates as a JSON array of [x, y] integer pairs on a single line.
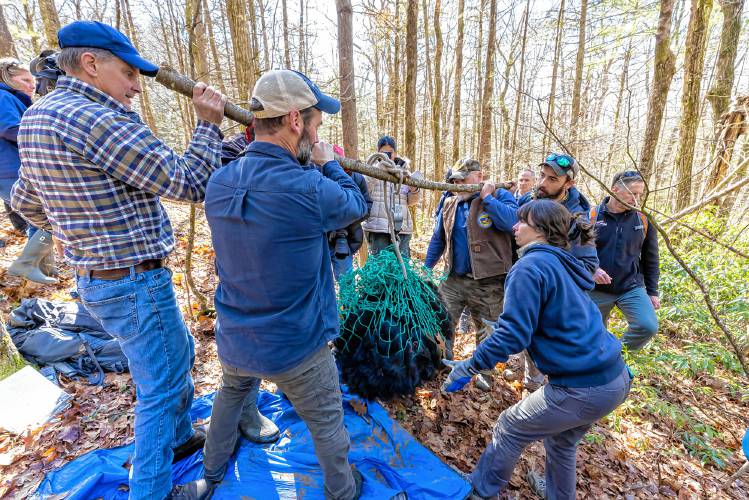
[[269, 213], [93, 173]]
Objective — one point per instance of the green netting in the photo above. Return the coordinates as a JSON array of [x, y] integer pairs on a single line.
[[403, 313]]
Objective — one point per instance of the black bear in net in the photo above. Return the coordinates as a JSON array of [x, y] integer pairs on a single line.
[[380, 355]]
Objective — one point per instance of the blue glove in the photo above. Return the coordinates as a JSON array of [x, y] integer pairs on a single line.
[[461, 374]]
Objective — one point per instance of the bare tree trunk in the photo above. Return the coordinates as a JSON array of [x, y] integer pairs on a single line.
[[145, 99], [731, 125], [579, 62], [266, 58], [694, 58], [199, 67], [439, 169], [240, 39], [477, 101], [730, 200], [348, 85], [51, 22], [719, 94], [411, 64], [7, 47], [521, 78], [623, 79], [485, 145], [301, 36], [664, 68], [10, 359], [214, 50], [554, 71], [286, 54], [396, 75], [458, 80], [28, 14], [255, 44]]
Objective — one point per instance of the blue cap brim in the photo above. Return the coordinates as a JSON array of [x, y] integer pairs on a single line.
[[327, 104], [146, 68]]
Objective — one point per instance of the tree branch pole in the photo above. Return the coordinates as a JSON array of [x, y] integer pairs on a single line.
[[174, 80], [698, 281]]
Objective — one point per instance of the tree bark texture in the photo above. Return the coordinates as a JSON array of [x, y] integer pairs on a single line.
[[521, 78], [664, 67], [458, 80], [554, 73], [286, 51], [485, 144], [439, 170], [411, 65], [694, 57], [579, 63], [7, 47], [731, 125], [719, 94], [346, 71], [51, 22], [240, 39], [10, 359]]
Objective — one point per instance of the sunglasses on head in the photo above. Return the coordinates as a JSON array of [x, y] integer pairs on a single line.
[[564, 161]]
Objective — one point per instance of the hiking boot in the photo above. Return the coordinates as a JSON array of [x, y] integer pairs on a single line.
[[537, 483], [38, 247], [195, 443], [201, 489], [358, 481], [253, 425]]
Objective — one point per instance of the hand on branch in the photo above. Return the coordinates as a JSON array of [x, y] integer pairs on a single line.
[[322, 153], [487, 189], [601, 277], [209, 103]]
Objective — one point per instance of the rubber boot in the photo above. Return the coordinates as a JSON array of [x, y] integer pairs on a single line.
[[27, 264], [252, 424]]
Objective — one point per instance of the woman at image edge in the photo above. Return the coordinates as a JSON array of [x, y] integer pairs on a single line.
[[548, 312]]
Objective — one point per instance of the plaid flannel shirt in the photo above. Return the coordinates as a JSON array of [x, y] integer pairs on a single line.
[[93, 173]]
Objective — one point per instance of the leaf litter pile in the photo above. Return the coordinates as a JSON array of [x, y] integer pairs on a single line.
[[677, 436]]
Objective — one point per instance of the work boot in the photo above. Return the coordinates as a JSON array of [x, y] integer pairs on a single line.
[[253, 425], [195, 443], [27, 264], [201, 489]]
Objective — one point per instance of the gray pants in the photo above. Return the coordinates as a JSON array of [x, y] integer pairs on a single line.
[[560, 416], [313, 389], [483, 298], [378, 242]]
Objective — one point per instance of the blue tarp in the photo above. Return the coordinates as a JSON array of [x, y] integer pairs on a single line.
[[389, 458]]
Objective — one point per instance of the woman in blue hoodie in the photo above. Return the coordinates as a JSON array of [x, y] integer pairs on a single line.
[[16, 89], [548, 312]]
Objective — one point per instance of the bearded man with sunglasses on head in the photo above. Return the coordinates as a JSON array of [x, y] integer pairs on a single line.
[[628, 252]]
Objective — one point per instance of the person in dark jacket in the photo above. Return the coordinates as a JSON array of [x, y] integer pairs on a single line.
[[16, 90], [477, 245], [548, 312], [269, 215], [628, 253]]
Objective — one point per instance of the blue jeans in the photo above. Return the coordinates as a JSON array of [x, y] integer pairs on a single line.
[[141, 311], [636, 307], [341, 266]]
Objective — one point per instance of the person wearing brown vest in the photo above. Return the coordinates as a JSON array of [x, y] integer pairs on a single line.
[[476, 243]]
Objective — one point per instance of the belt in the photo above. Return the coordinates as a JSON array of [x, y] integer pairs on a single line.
[[115, 274]]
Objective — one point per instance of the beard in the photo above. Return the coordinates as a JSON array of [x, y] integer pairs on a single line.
[[304, 148], [550, 195]]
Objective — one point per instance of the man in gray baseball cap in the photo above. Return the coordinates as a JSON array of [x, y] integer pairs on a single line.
[[269, 215]]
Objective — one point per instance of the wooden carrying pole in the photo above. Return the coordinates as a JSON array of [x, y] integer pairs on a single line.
[[181, 84]]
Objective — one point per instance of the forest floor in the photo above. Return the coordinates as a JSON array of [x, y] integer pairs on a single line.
[[678, 435]]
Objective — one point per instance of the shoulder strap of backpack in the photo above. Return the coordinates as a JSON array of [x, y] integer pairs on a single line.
[[644, 220]]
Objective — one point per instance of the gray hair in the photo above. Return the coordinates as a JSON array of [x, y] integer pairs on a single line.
[[69, 58], [527, 169], [10, 68]]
